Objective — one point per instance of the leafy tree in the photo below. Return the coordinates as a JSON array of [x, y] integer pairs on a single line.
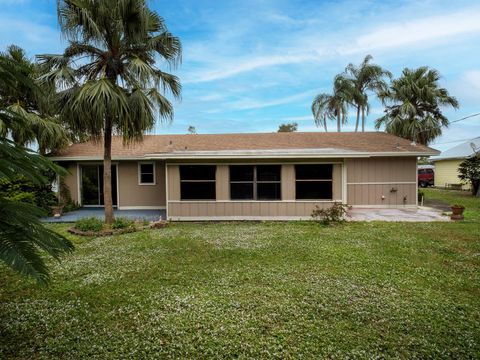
[[365, 78], [191, 129], [22, 237], [108, 74], [413, 106], [333, 106], [289, 127], [33, 104], [469, 172]]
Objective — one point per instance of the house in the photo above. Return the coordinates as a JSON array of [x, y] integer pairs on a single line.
[[248, 176], [446, 164]]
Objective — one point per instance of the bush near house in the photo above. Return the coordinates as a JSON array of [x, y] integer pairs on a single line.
[[89, 224]]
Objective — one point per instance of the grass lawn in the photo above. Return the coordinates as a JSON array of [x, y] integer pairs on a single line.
[[256, 290]]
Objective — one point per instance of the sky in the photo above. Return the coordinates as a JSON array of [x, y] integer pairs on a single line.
[[248, 66]]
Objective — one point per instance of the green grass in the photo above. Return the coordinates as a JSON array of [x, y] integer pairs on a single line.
[[255, 290], [453, 197]]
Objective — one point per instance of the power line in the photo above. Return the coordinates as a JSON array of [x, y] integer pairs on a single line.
[[464, 118], [453, 141]]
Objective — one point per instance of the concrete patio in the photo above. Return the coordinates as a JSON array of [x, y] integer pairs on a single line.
[[422, 214], [149, 215]]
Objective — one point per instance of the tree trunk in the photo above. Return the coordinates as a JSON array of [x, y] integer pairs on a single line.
[[338, 122], [358, 119], [363, 119], [325, 123], [107, 171]]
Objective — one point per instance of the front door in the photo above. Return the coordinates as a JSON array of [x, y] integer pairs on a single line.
[[92, 185]]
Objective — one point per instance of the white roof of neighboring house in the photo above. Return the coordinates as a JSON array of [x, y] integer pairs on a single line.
[[461, 151]]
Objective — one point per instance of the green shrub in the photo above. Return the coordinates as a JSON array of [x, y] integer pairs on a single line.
[[334, 214], [89, 224], [122, 223]]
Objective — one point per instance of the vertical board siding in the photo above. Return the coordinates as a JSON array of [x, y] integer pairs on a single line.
[[197, 209], [370, 179]]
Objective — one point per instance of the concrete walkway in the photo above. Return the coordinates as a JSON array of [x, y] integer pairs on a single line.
[[149, 215], [422, 214]]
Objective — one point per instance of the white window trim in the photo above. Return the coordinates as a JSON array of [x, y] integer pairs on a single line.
[[140, 173]]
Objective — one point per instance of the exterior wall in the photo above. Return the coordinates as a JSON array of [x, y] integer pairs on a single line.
[[71, 181], [130, 193], [446, 173], [133, 195], [224, 208], [373, 181]]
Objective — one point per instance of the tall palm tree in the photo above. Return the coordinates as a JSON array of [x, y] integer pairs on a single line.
[[366, 78], [413, 106], [333, 106], [108, 74], [33, 104]]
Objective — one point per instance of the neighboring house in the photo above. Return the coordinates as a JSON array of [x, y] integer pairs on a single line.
[[248, 176], [446, 164]]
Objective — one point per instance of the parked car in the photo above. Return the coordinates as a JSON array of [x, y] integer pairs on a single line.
[[426, 175]]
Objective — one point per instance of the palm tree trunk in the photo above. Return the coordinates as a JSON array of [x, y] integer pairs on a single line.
[[338, 122], [107, 171], [325, 123], [363, 119], [358, 119]]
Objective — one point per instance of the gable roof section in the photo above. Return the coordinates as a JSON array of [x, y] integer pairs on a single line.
[[253, 145], [461, 151]]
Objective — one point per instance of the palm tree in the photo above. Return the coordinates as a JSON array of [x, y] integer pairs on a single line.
[[33, 104], [366, 78], [333, 106], [23, 238], [109, 79], [413, 106]]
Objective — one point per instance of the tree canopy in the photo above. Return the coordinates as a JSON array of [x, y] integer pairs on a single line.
[[413, 106]]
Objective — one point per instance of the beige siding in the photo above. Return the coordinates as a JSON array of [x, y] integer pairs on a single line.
[[131, 194], [225, 208], [446, 173], [382, 181], [241, 209], [71, 181]]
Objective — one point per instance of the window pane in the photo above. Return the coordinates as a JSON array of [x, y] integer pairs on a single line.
[[268, 172], [197, 172], [269, 191], [312, 190], [146, 178], [197, 190], [241, 191], [307, 172], [146, 168], [241, 173]]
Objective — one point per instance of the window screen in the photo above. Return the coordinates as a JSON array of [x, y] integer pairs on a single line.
[[147, 173], [314, 182], [261, 182], [197, 182]]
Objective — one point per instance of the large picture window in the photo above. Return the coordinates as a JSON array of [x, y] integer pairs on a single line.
[[197, 182], [260, 182], [314, 182]]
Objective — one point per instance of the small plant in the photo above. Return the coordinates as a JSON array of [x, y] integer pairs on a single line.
[[334, 214], [89, 224], [122, 223]]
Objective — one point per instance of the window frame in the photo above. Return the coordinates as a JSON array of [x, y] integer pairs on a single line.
[[254, 182], [197, 181], [313, 180], [140, 163]]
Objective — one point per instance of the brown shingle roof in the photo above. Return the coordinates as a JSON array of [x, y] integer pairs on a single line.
[[367, 142]]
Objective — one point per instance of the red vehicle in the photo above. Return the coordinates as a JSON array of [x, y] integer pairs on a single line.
[[426, 175]]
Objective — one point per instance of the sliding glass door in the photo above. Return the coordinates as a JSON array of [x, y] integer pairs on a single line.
[[92, 185]]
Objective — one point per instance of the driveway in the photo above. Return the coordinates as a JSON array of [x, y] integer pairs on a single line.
[[72, 216], [422, 214]]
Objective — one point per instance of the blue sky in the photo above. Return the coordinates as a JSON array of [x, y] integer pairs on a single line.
[[250, 65]]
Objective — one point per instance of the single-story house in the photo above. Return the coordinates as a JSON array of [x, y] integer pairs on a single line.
[[446, 164], [248, 176]]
